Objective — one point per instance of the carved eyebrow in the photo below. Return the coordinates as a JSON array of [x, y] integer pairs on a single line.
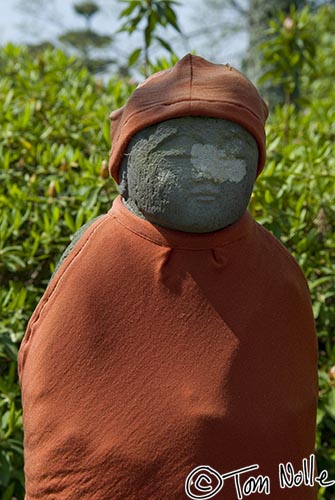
[[177, 152], [154, 140], [163, 135]]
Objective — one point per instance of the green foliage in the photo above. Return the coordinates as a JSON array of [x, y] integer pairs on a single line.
[[292, 45], [163, 63], [151, 13], [260, 13], [295, 196], [84, 40], [86, 9], [81, 39]]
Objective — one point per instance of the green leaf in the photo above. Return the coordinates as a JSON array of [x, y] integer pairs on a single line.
[[128, 10], [69, 221], [8, 493], [172, 18], [133, 58], [165, 44], [4, 469], [147, 36]]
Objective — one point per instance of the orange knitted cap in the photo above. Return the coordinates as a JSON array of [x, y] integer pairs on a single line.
[[193, 87]]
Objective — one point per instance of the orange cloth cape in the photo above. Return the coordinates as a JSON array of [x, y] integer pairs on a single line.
[[154, 351]]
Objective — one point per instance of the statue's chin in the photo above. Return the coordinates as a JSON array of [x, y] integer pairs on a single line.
[[196, 226], [188, 218]]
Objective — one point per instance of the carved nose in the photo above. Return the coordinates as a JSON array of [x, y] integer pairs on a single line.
[[207, 161], [204, 173]]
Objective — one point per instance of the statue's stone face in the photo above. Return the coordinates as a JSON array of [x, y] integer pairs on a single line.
[[190, 174]]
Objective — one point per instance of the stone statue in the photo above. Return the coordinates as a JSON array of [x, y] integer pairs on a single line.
[[192, 174], [173, 354]]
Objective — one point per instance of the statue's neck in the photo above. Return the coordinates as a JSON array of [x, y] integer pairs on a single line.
[[133, 208]]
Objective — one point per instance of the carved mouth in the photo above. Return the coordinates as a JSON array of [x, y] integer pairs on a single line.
[[205, 192], [206, 197]]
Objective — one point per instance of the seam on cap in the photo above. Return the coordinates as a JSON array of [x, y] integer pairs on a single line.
[[191, 77]]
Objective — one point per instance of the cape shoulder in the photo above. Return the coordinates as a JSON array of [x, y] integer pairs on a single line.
[[278, 248], [75, 239], [77, 245]]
